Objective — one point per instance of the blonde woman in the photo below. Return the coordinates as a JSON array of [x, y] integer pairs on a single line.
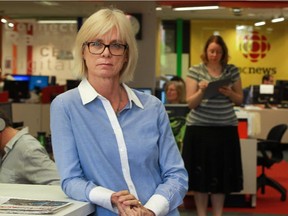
[[113, 145], [175, 92]]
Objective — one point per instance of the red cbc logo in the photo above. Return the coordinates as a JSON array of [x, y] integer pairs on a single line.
[[254, 46]]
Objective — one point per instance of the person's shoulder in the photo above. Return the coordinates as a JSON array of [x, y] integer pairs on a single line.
[[29, 141], [149, 101], [145, 97], [69, 93], [197, 67], [67, 96], [27, 145], [195, 70], [231, 66]]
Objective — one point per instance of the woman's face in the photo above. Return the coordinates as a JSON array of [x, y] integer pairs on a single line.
[[172, 94], [214, 53], [105, 65]]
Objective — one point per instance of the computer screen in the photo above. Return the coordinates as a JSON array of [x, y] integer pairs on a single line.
[[177, 110], [266, 89], [6, 107], [21, 77], [18, 90], [283, 90], [70, 83], [263, 94], [38, 81], [161, 95]]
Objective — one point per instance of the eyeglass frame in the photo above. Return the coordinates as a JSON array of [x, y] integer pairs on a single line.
[[105, 46]]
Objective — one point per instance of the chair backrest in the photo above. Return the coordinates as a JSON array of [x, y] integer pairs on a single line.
[[276, 133]]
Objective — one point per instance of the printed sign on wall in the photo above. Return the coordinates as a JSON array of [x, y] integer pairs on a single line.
[[254, 46], [39, 49]]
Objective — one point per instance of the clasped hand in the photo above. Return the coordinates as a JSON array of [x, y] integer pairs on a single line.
[[128, 205], [203, 85]]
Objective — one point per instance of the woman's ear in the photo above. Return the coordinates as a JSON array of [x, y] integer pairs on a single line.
[[2, 124]]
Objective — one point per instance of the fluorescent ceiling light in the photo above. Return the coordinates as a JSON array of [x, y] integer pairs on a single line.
[[11, 25], [196, 8], [279, 19], [3, 20], [240, 27], [57, 21], [47, 3], [260, 23]]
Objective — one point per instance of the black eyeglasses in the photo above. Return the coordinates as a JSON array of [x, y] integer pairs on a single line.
[[97, 48]]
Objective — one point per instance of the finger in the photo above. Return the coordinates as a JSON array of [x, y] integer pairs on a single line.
[[126, 197], [134, 202], [122, 193], [128, 211]]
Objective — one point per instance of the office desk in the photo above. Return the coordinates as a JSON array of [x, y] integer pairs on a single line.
[[249, 165], [46, 192], [270, 118]]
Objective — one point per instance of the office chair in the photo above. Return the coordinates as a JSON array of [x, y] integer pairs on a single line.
[[178, 125], [271, 153]]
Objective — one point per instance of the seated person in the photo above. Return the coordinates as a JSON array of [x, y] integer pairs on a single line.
[[23, 160], [175, 92], [267, 79]]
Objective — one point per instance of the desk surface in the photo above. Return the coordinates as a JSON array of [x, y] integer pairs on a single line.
[[46, 192]]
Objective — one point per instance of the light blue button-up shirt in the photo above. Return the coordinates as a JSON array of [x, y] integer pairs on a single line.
[[99, 153]]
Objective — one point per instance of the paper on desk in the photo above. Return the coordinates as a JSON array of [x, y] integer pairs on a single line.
[[3, 199], [10, 205], [213, 87]]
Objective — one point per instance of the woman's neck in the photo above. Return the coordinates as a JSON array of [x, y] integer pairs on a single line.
[[108, 88], [214, 70]]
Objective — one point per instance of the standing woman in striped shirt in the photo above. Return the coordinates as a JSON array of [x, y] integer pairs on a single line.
[[211, 150]]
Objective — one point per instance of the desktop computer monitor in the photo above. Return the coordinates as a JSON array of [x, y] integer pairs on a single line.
[[161, 95], [70, 83], [6, 108], [283, 90], [39, 82], [21, 77], [265, 94], [18, 90], [177, 110]]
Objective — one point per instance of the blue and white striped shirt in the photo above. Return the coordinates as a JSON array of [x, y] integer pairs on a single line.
[[98, 153]]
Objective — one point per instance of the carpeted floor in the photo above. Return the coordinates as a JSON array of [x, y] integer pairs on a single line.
[[267, 204]]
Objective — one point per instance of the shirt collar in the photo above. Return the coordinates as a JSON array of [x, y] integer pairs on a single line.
[[88, 94], [14, 140]]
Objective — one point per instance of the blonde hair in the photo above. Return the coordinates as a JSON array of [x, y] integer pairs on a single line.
[[180, 88], [99, 24]]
